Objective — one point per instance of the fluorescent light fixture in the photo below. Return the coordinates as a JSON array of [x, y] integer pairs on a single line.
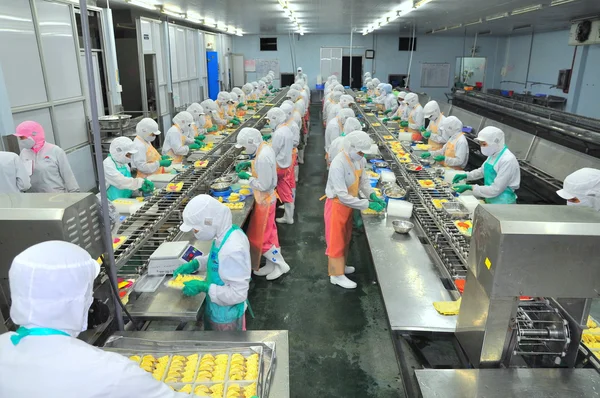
[[560, 2], [497, 16], [193, 17], [473, 23], [283, 3], [523, 10], [454, 26], [222, 26], [139, 3], [392, 16], [301, 32], [210, 22], [521, 27], [239, 32], [172, 13], [421, 3]]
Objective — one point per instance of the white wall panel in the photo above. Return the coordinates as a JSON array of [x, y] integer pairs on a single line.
[[184, 93], [191, 52], [70, 124], [148, 37], [42, 116], [173, 53], [58, 45], [19, 55], [97, 79], [82, 163], [176, 96], [182, 55]]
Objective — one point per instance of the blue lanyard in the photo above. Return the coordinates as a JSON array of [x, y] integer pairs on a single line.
[[23, 332]]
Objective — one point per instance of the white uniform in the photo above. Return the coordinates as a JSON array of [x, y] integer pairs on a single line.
[[173, 140], [118, 180], [437, 137], [283, 145], [418, 117], [266, 170], [139, 161], [341, 176], [334, 129], [332, 111], [51, 170], [508, 174], [335, 148], [461, 151], [391, 102], [13, 176]]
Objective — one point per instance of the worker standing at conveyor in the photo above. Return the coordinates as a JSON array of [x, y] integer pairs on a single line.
[[119, 182], [13, 176], [500, 172], [227, 265], [352, 124], [582, 188], [301, 75], [390, 101], [435, 140], [346, 178], [198, 131], [288, 108], [209, 122], [455, 152], [335, 128], [416, 116], [217, 122], [223, 108], [176, 142], [51, 288], [147, 160], [400, 113], [46, 164], [262, 229]]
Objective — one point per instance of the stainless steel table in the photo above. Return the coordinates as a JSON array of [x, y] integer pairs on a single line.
[[409, 280], [280, 387], [507, 383]]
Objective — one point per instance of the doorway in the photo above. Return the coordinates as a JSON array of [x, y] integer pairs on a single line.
[[151, 79], [357, 72], [212, 72]]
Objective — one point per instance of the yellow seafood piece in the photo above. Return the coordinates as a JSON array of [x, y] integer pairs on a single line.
[[236, 376], [244, 191], [174, 374], [150, 357], [157, 376], [201, 390], [237, 365], [205, 356], [135, 358], [238, 360], [207, 366], [186, 379], [193, 357], [187, 389], [217, 388], [178, 358], [165, 358], [147, 368], [171, 379], [221, 356]]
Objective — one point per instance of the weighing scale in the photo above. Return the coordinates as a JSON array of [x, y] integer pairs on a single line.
[[170, 255]]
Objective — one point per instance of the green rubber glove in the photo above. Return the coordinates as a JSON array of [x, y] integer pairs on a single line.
[[396, 118], [240, 105], [425, 155], [404, 123], [423, 129], [458, 178], [385, 120], [242, 166], [426, 134], [374, 198], [369, 100], [193, 288], [271, 87], [201, 137], [212, 129], [147, 186], [357, 220], [462, 188], [244, 176], [376, 206], [163, 157], [439, 158], [200, 144], [266, 137], [194, 146], [235, 122], [387, 111], [187, 268], [251, 108], [165, 162]]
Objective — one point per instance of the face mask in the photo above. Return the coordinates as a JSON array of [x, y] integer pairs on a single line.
[[433, 117], [488, 150], [273, 124], [251, 149], [151, 138], [202, 120], [27, 143], [205, 234], [355, 156]]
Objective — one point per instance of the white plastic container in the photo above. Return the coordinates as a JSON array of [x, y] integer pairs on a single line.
[[399, 208], [387, 176], [470, 202], [404, 136]]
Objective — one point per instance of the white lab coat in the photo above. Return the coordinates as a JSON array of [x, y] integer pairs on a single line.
[[418, 117], [461, 151], [217, 119], [283, 145], [401, 112], [508, 175], [341, 176], [391, 102], [295, 131], [118, 180], [437, 137], [13, 176], [302, 76], [335, 148], [173, 141], [51, 170], [332, 112], [305, 98], [265, 165], [65, 367], [139, 160], [333, 130]]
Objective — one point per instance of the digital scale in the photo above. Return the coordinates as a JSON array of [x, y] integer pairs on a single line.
[[170, 255]]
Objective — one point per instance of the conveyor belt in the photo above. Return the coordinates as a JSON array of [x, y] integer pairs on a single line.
[[158, 220]]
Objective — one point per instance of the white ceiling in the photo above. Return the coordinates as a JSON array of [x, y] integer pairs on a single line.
[[340, 16]]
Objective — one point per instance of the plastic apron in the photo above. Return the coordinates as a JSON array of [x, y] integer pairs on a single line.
[[338, 227], [152, 156], [115, 193], [177, 158], [508, 196], [23, 332], [222, 116], [208, 123], [219, 317], [291, 177], [416, 134], [262, 230], [433, 127], [450, 152]]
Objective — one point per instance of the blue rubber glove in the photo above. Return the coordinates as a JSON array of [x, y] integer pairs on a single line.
[[194, 146], [165, 162], [425, 155], [374, 198], [242, 166], [427, 134], [193, 288], [376, 206], [244, 176], [439, 158], [458, 178], [187, 268], [462, 188]]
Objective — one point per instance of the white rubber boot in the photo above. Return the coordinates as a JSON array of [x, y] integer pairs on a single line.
[[288, 216], [349, 270], [300, 156], [342, 281], [281, 267], [296, 172], [282, 206], [266, 270]]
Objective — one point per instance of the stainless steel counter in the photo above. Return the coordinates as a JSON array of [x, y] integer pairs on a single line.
[[507, 383], [165, 304], [280, 386], [409, 280]]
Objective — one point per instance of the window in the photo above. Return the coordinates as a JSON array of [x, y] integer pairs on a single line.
[[405, 44], [268, 44]]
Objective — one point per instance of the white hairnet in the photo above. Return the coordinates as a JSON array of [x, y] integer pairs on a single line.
[[120, 147], [204, 213], [492, 136], [288, 109], [268, 79], [276, 117], [299, 69], [293, 94], [234, 97], [223, 97], [296, 86], [287, 101], [255, 85], [237, 90], [346, 100], [584, 184], [209, 105], [339, 88], [402, 95], [352, 124], [357, 141], [146, 128], [344, 114], [336, 95], [370, 85], [367, 75], [262, 85], [247, 88], [376, 82], [387, 88], [431, 110], [411, 99], [450, 126], [197, 113], [368, 80], [184, 120], [51, 286], [250, 139]]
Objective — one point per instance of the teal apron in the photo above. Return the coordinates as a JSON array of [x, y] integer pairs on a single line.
[[24, 332], [218, 317], [489, 176], [115, 193]]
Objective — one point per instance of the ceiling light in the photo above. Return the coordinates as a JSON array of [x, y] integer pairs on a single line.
[[210, 22], [421, 3], [193, 17], [526, 9], [473, 23], [283, 3], [497, 16], [222, 26], [139, 3], [454, 26], [521, 27], [301, 32], [560, 2], [172, 8], [239, 32], [172, 13]]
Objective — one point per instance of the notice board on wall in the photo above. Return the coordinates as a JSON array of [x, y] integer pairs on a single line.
[[263, 66], [435, 74]]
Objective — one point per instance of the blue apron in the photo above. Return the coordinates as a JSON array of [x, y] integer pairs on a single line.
[[218, 317], [24, 332], [489, 176], [115, 193]]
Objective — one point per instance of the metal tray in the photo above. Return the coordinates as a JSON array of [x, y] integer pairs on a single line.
[[455, 210]]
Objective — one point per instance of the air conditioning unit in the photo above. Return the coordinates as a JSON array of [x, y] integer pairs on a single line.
[[585, 33]]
